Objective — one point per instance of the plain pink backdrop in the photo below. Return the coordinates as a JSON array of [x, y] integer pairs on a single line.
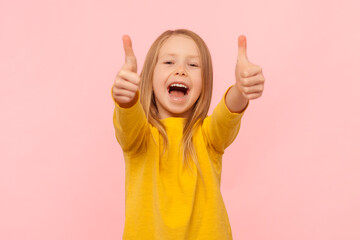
[[293, 171]]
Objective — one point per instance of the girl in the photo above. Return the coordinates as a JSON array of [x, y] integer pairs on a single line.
[[161, 124]]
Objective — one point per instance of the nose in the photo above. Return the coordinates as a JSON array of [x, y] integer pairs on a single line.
[[180, 71]]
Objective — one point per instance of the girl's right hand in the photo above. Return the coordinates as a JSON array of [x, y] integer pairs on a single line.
[[127, 81]]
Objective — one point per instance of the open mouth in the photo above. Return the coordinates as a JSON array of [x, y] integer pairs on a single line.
[[178, 90]]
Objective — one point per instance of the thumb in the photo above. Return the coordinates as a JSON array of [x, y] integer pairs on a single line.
[[130, 59], [242, 56]]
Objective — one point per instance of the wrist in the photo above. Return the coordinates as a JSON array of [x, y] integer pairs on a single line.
[[235, 100]]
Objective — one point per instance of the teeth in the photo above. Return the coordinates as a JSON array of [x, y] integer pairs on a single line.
[[178, 85]]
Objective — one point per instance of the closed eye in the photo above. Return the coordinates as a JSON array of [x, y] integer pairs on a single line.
[[192, 64]]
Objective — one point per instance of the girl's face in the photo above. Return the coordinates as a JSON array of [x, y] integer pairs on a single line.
[[177, 79]]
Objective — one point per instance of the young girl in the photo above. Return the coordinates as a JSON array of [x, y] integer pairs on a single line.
[[161, 124]]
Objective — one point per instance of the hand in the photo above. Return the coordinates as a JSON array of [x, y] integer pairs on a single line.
[[249, 77], [126, 84]]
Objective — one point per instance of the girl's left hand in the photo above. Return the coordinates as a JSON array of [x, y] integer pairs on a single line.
[[249, 77]]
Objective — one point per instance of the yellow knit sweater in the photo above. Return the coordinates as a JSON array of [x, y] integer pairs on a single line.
[[162, 200]]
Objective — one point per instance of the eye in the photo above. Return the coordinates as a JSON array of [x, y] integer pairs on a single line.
[[168, 62], [193, 65]]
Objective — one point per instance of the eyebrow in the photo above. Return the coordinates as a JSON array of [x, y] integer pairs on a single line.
[[174, 54]]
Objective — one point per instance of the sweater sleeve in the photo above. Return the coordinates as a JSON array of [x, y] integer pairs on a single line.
[[221, 128], [131, 126]]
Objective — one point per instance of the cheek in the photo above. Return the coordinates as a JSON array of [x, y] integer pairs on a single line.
[[197, 89], [159, 76], [199, 83], [157, 85], [156, 81]]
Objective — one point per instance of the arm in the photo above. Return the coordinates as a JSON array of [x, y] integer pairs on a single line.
[[129, 117], [222, 127], [235, 100], [131, 127]]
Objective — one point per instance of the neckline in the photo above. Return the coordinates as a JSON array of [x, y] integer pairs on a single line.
[[173, 119]]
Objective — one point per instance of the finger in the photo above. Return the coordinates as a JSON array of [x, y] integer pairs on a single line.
[[129, 76], [253, 89], [121, 84], [123, 99], [130, 59], [253, 95], [251, 81], [242, 55], [124, 92], [249, 70]]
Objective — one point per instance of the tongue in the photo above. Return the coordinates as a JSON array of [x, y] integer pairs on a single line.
[[175, 93]]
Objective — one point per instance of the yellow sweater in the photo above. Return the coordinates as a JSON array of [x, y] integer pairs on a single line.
[[163, 201]]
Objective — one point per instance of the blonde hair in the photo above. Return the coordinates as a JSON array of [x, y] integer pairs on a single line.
[[201, 106]]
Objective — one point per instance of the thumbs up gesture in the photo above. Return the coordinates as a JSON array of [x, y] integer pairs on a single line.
[[249, 77], [126, 84]]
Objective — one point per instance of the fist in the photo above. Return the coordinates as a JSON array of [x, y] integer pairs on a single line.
[[249, 77], [127, 81]]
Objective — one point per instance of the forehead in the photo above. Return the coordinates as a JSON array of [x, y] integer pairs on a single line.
[[179, 45]]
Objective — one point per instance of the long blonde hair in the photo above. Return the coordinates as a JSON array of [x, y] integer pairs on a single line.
[[201, 106]]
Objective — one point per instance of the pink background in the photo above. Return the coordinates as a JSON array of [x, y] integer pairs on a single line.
[[293, 171]]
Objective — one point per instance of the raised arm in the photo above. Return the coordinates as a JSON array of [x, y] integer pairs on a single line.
[[249, 81], [222, 127], [129, 118]]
